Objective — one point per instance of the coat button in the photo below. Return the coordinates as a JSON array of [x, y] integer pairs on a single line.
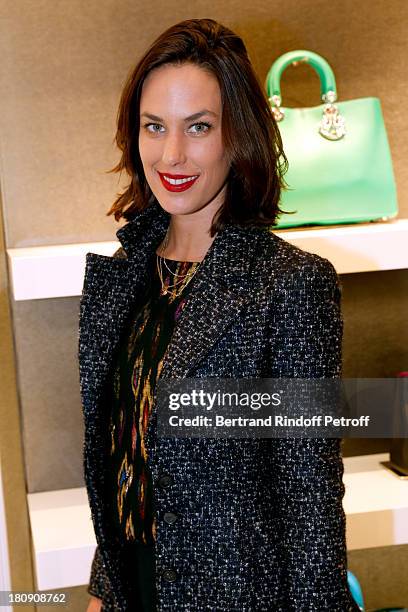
[[170, 517], [169, 575], [164, 481]]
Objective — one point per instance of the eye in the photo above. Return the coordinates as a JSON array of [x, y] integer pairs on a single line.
[[201, 128], [152, 127]]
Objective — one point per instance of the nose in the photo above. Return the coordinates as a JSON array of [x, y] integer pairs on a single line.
[[173, 150]]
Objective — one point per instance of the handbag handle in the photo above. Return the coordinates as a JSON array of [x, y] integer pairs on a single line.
[[332, 125], [320, 65]]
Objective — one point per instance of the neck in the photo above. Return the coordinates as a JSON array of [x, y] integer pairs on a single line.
[[188, 236]]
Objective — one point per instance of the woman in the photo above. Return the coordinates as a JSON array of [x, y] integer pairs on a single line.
[[201, 288]]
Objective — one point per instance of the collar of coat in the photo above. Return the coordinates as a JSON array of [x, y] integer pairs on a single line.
[[231, 261]]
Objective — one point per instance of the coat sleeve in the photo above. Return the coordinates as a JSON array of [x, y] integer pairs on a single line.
[[98, 581], [307, 473], [99, 585]]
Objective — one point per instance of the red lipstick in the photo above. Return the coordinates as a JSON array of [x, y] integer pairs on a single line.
[[184, 181]]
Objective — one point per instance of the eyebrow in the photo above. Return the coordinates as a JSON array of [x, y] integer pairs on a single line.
[[190, 118]]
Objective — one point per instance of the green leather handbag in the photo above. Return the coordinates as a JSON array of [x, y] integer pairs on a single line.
[[340, 167]]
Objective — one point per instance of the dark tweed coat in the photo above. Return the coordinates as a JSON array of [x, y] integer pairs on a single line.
[[260, 522]]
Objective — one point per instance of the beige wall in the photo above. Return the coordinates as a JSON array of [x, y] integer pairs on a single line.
[[62, 68]]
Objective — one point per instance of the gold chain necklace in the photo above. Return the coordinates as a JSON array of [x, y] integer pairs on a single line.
[[182, 277]]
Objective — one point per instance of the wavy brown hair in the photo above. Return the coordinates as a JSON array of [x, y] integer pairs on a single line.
[[249, 130]]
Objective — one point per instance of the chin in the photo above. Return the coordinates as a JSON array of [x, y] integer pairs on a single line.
[[174, 207]]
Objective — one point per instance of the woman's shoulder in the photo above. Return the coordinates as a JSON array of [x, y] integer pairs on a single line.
[[283, 261]]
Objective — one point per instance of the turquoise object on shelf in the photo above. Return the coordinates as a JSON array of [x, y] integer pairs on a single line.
[[340, 167], [357, 593], [355, 589]]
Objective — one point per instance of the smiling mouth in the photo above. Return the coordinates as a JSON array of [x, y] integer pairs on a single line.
[[177, 182]]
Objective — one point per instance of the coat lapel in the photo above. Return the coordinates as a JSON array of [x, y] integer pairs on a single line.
[[220, 291]]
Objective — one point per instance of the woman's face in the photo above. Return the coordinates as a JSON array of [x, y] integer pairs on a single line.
[[180, 140]]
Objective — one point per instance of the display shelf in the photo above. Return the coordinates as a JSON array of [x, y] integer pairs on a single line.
[[58, 271], [375, 503], [365, 247], [55, 271], [63, 538]]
